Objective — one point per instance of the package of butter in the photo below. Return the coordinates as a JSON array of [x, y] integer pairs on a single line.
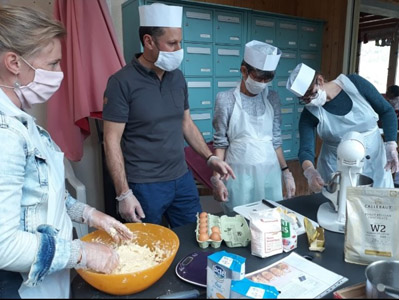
[[248, 289], [222, 268]]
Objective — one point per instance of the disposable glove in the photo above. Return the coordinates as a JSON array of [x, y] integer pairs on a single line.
[[289, 183], [220, 166], [129, 207], [113, 227], [219, 189], [315, 181], [392, 157], [97, 257]]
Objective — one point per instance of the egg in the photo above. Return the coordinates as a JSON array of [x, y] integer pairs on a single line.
[[203, 215], [215, 236], [202, 237], [203, 225], [215, 229], [203, 220], [203, 230]]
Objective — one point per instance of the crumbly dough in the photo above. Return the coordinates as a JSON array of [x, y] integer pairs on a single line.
[[134, 258]]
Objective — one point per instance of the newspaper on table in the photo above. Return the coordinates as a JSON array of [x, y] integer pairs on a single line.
[[296, 277]]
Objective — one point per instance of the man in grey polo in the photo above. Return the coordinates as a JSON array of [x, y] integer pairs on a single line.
[[146, 119]]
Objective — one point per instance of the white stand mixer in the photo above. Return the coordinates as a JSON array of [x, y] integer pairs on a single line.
[[350, 160]]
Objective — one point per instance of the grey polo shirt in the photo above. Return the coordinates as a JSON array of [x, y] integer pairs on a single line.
[[153, 141]]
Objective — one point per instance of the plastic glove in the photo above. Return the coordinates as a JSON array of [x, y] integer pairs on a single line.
[[113, 227], [97, 257], [130, 209], [220, 166], [392, 157], [219, 189], [289, 183], [315, 181]]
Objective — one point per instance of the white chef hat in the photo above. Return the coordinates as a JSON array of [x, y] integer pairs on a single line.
[[300, 79], [262, 56], [160, 15]]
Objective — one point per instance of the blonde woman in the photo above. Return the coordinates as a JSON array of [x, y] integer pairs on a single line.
[[36, 246]]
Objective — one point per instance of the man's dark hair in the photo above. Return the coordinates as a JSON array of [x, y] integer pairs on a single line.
[[155, 32], [392, 91], [265, 75]]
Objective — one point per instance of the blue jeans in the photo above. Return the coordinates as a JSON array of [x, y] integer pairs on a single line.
[[9, 284], [177, 200]]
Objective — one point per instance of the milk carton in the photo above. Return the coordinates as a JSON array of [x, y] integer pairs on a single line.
[[222, 268], [247, 289]]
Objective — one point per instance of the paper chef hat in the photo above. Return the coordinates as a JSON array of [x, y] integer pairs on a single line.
[[300, 79], [262, 56], [160, 15]]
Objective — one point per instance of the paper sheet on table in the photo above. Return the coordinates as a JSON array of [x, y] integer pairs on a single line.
[[245, 210], [297, 277]]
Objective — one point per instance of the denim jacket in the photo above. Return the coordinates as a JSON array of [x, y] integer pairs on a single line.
[[27, 243]]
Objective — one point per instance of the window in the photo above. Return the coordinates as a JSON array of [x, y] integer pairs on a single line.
[[373, 64]]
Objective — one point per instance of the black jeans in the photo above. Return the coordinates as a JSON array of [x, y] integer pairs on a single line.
[[9, 284]]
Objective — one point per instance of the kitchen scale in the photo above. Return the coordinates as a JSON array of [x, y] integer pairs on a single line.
[[192, 268]]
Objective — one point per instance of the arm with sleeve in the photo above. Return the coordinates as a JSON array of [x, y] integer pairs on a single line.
[[224, 105], [274, 100], [307, 132], [37, 250], [382, 107]]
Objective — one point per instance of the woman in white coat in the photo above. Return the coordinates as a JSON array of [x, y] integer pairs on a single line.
[[247, 133], [333, 108], [36, 213]]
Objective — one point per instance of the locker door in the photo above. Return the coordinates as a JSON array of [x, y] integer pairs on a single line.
[[228, 60], [200, 92], [263, 29], [197, 25], [287, 34], [198, 59], [287, 63], [228, 27]]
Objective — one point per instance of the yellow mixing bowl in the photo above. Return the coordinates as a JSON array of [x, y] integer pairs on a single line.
[[124, 284]]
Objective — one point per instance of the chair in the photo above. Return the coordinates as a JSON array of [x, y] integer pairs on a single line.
[[77, 189]]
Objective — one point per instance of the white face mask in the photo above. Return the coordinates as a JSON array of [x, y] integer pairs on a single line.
[[169, 61], [44, 85], [253, 86], [320, 100]]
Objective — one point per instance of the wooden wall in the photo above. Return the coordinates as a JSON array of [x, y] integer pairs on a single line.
[[333, 12]]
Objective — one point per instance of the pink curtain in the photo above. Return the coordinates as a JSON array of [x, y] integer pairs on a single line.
[[91, 54]]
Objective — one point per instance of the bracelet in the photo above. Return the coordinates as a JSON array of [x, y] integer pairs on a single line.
[[124, 195], [209, 157], [285, 168]]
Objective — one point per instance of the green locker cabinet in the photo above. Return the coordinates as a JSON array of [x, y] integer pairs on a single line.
[[214, 37]]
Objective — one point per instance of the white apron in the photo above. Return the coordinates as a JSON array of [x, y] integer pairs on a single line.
[[362, 118], [55, 285], [252, 157]]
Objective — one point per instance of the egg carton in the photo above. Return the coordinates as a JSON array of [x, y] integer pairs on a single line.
[[234, 231]]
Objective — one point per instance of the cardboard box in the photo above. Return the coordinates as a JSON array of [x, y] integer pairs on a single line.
[[222, 268], [357, 291], [248, 289]]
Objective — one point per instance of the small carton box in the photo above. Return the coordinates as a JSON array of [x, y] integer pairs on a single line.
[[222, 269], [248, 289]]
